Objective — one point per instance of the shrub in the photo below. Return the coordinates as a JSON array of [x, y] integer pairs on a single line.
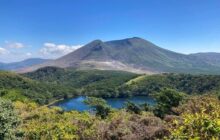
[[166, 99], [8, 120], [200, 119], [100, 105], [41, 122], [132, 107]]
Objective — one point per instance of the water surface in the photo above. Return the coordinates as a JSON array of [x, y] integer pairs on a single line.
[[78, 104]]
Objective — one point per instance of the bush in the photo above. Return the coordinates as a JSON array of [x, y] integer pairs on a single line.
[[41, 122], [200, 119], [218, 94], [132, 107], [13, 95], [100, 105], [166, 99], [8, 120]]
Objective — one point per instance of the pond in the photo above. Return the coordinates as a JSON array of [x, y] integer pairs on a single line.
[[78, 104]]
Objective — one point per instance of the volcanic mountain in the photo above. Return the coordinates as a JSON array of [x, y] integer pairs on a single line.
[[134, 55]]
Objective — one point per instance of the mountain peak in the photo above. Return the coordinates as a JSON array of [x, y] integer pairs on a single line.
[[96, 42], [95, 45], [137, 38]]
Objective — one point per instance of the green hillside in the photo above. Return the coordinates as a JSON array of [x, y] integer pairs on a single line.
[[48, 84], [119, 84], [190, 84], [34, 90], [80, 78], [88, 82]]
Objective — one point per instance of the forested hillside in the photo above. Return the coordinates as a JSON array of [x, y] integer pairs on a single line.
[[190, 84], [80, 78], [88, 82], [40, 92], [49, 84], [120, 84]]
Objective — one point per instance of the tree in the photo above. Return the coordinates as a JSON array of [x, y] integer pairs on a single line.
[[146, 107], [132, 107], [100, 105], [166, 99], [8, 120], [137, 108], [218, 94]]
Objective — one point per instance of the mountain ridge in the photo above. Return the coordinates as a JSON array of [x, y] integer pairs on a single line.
[[134, 55], [13, 66]]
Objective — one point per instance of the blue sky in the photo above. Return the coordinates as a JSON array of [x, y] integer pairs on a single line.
[[52, 28]]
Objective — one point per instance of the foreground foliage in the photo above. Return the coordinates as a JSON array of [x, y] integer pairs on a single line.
[[100, 106], [41, 122], [200, 119], [166, 99], [8, 120]]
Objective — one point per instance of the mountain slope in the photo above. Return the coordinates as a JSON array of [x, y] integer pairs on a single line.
[[22, 64], [212, 58], [132, 54]]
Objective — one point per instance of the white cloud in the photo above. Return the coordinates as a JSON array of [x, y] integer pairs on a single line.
[[54, 49], [11, 52], [28, 54], [15, 45], [3, 51]]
